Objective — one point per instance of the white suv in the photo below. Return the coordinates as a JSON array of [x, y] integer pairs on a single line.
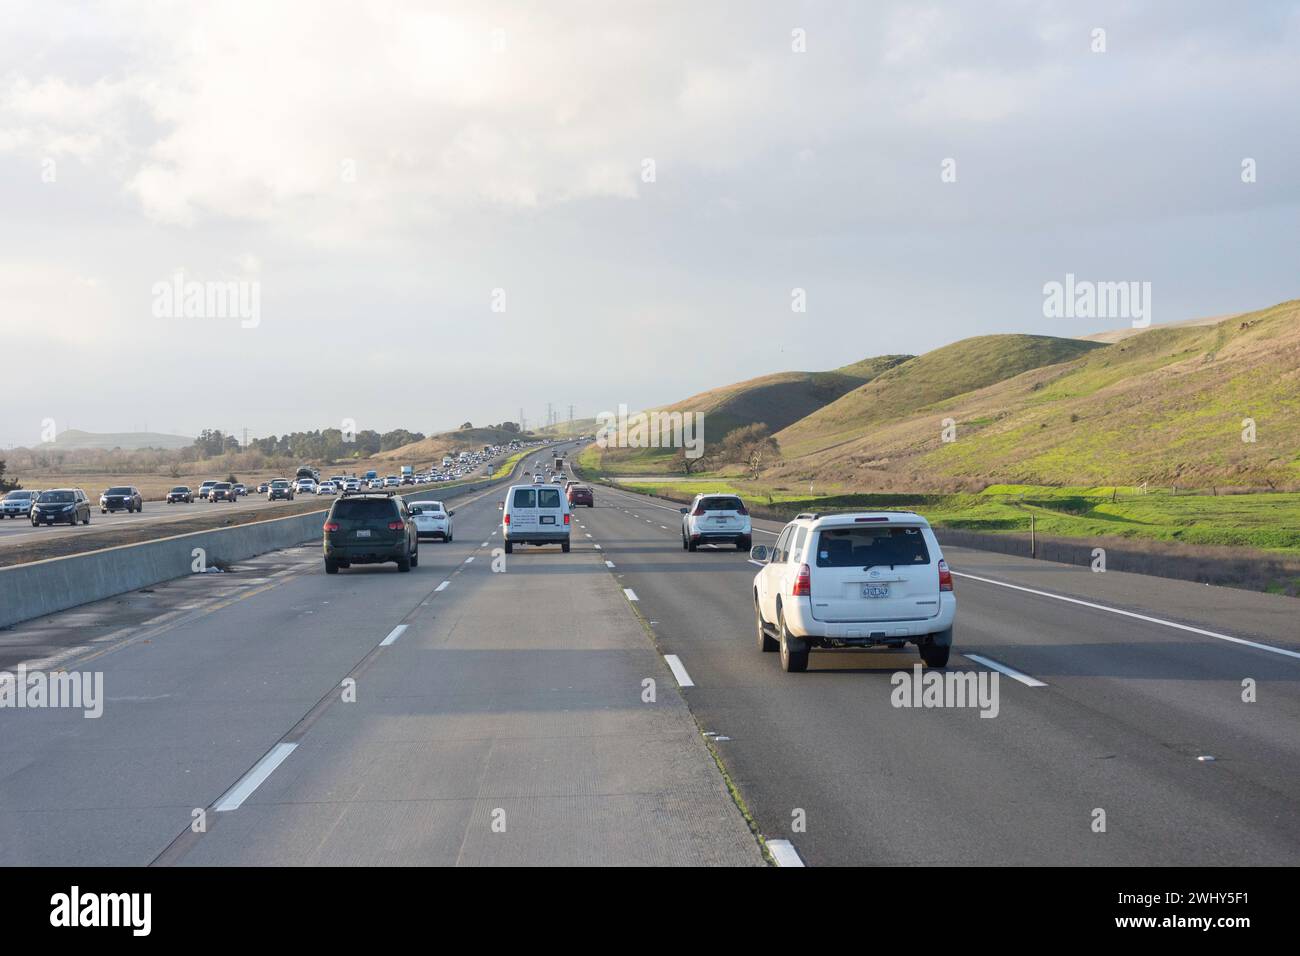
[[854, 580], [535, 514], [716, 519]]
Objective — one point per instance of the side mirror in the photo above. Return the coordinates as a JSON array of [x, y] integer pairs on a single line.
[[501, 506], [452, 514], [684, 510], [759, 553]]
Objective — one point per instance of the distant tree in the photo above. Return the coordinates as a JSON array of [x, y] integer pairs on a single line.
[[397, 438], [231, 478], [5, 485], [174, 469], [466, 425], [689, 466], [511, 427]]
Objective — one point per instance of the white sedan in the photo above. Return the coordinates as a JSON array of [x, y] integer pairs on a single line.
[[326, 488], [304, 486], [432, 520]]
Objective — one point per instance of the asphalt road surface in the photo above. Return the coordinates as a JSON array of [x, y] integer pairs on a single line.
[[502, 717]]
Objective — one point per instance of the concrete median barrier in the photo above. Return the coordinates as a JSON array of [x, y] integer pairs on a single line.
[[43, 587]]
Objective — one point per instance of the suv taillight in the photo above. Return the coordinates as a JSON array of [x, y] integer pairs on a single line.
[[331, 526], [802, 583], [945, 576], [396, 525], [566, 519], [507, 519]]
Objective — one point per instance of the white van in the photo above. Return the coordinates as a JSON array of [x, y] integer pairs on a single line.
[[853, 580], [535, 514]]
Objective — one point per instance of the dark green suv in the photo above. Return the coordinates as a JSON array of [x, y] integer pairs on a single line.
[[370, 529]]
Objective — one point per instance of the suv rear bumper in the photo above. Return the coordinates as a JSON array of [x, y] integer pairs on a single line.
[[799, 619], [367, 553]]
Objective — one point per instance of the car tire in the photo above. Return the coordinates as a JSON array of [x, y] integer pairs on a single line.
[[934, 655], [510, 547], [691, 545], [743, 544], [684, 545], [331, 567], [103, 511], [766, 642], [415, 557], [794, 652], [564, 546], [404, 564]]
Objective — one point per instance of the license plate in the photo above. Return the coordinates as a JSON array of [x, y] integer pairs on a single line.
[[363, 534], [548, 519], [875, 590]]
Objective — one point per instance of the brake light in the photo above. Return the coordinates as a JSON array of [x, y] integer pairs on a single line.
[[331, 526], [396, 525], [945, 576], [802, 583], [566, 519]]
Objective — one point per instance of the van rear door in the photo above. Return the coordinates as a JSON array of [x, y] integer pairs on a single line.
[[873, 572]]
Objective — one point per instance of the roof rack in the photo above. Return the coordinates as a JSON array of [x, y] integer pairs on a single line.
[[369, 492], [810, 515]]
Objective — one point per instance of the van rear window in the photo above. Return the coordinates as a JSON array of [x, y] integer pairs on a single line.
[[548, 497], [525, 498], [365, 509], [870, 547]]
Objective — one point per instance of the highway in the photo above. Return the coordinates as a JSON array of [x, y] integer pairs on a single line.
[[567, 711]]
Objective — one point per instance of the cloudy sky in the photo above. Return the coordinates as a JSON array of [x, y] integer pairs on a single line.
[[376, 170]]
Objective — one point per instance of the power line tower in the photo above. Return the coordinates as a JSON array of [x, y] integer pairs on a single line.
[[570, 419]]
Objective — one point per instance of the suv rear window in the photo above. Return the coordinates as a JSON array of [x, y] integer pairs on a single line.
[[720, 504], [870, 547], [525, 498], [365, 509], [548, 497]]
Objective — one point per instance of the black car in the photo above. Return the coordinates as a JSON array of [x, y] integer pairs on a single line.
[[120, 499], [180, 493], [370, 528], [280, 488], [60, 506], [223, 491]]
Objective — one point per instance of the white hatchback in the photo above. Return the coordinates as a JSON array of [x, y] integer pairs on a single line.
[[853, 580]]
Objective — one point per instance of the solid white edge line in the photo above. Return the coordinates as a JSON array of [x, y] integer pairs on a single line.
[[443, 586], [784, 853], [1004, 669], [630, 594], [236, 795], [679, 671], [393, 635], [469, 559], [1140, 617]]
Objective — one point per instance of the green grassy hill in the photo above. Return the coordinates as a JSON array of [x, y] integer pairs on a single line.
[[926, 382], [1165, 406], [776, 400]]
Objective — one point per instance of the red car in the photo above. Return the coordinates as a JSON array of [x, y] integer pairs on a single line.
[[580, 495]]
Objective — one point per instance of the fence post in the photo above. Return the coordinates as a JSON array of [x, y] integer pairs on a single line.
[[1033, 539]]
